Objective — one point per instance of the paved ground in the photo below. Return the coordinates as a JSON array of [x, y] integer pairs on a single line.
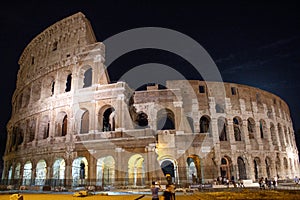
[[231, 193], [284, 191]]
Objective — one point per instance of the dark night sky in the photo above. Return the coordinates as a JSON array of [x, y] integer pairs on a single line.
[[252, 43]]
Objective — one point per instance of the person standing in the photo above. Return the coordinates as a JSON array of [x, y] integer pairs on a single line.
[[154, 191], [275, 182], [168, 193]]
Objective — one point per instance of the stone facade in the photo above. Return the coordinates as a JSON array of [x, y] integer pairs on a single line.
[[71, 126]]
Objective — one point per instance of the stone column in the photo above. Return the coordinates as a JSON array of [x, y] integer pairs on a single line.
[[37, 128], [269, 137], [182, 173], [92, 170], [5, 172], [214, 130], [263, 168], [68, 173], [245, 135], [277, 137], [119, 166], [92, 121], [33, 174], [20, 181], [230, 135], [249, 167], [49, 175], [148, 164], [53, 123], [13, 174], [258, 137]]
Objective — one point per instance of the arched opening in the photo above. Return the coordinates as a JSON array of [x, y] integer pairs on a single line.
[[268, 166], [286, 136], [68, 83], [262, 128], [54, 46], [61, 124], [256, 168], [64, 127], [225, 168], [281, 135], [165, 120], [273, 135], [251, 128], [59, 167], [41, 171], [48, 86], [79, 171], [88, 77], [136, 170], [193, 169], [10, 174], [32, 126], [85, 118], [105, 171], [277, 165], [18, 136], [36, 91], [17, 171], [44, 128], [168, 168], [142, 120], [205, 124], [26, 97], [52, 88], [27, 173], [108, 119], [222, 126], [242, 168], [237, 129]]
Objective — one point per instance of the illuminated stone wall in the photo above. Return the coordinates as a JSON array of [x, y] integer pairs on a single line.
[[70, 126]]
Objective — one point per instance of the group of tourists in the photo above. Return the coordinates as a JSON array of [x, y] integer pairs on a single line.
[[265, 183], [226, 181], [168, 193]]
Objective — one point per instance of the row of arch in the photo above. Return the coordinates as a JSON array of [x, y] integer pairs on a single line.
[[105, 172], [136, 170], [279, 135], [51, 86], [283, 133]]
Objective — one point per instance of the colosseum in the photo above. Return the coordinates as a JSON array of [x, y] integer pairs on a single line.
[[72, 126]]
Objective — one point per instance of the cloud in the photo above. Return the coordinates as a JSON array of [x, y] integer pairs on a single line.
[[279, 54], [279, 43]]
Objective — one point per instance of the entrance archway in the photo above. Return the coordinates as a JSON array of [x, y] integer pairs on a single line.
[[169, 168], [108, 119], [225, 168], [105, 171], [59, 166], [136, 170], [27, 173], [242, 168], [256, 163], [41, 171], [165, 120], [193, 169], [10, 174], [79, 171]]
